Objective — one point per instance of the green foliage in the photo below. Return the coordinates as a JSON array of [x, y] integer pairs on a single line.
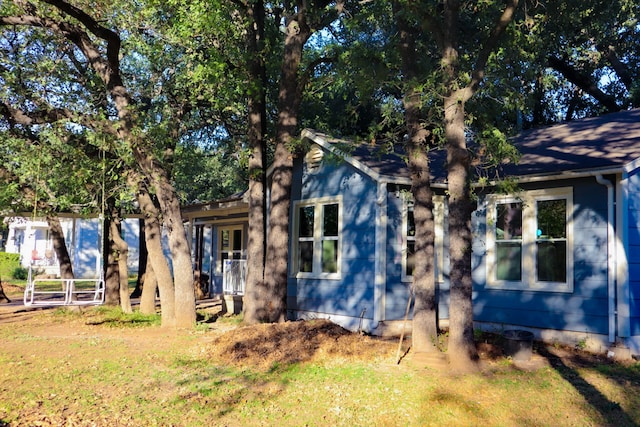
[[8, 264], [20, 273], [115, 317], [206, 175], [508, 186], [582, 344]]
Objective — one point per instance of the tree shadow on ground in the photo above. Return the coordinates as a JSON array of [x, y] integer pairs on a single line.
[[610, 411]]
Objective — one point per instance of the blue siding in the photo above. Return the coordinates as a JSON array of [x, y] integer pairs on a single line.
[[584, 309], [634, 253], [353, 291], [397, 291], [131, 231], [86, 252]]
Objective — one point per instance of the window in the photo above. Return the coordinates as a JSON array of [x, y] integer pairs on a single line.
[[230, 244], [508, 233], [409, 227], [409, 238], [529, 243], [318, 225]]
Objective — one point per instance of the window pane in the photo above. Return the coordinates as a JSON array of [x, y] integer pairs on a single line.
[[330, 256], [552, 261], [224, 240], [552, 219], [411, 250], [305, 228], [237, 240], [509, 223], [305, 257], [411, 224], [509, 261], [330, 216]]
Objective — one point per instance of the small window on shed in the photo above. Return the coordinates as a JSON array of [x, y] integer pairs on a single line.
[[313, 158]]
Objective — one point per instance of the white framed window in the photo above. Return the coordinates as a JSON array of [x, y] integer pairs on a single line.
[[318, 242], [230, 244], [530, 240], [409, 237]]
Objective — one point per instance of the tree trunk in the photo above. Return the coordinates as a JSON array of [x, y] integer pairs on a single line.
[[184, 293], [425, 314], [3, 296], [107, 67], [157, 259], [276, 263], [121, 251], [60, 247], [148, 297], [257, 201], [142, 262], [273, 293], [462, 350], [185, 299], [112, 274]]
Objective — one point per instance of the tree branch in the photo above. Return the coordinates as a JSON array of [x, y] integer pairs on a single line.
[[50, 115], [111, 37], [305, 78], [621, 69], [69, 31], [584, 82], [489, 45], [20, 117]]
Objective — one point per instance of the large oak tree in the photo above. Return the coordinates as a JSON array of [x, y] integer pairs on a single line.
[[95, 52]]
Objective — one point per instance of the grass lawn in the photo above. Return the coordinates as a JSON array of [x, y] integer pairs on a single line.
[[99, 367]]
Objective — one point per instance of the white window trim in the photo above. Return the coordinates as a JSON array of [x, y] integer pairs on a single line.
[[317, 272], [219, 251], [529, 273], [439, 224]]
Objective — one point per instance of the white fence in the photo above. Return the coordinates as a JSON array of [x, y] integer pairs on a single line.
[[234, 274]]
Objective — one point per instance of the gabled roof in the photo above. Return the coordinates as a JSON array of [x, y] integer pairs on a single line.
[[374, 160], [604, 144]]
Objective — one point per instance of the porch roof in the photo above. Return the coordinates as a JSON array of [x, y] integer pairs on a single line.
[[234, 206]]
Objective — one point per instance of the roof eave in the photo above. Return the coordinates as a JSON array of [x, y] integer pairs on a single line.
[[526, 179]]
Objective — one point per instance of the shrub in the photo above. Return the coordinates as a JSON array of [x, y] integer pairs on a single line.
[[20, 273]]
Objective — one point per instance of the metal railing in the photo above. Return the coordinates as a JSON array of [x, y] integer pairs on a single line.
[[64, 292]]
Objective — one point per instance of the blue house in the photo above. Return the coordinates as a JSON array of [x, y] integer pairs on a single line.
[[559, 257]]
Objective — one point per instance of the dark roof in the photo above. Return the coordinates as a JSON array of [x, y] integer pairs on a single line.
[[609, 141], [595, 144]]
